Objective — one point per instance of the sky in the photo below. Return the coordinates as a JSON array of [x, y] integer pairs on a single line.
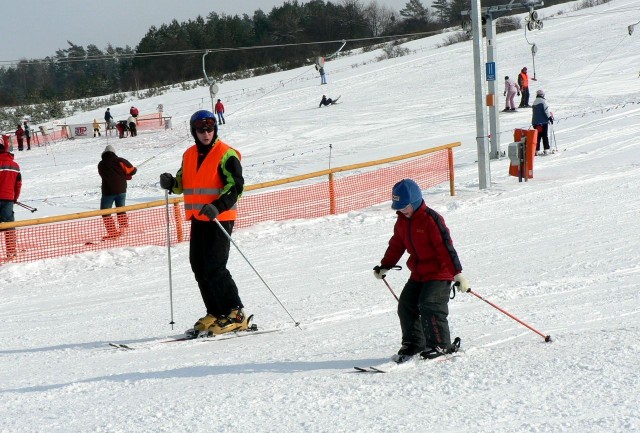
[[560, 252], [46, 26]]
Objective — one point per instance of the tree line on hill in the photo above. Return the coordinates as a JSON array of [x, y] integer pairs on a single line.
[[290, 36]]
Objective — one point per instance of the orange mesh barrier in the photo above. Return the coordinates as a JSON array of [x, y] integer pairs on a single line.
[[146, 224]]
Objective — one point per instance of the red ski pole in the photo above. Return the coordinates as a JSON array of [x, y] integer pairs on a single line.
[[391, 290], [547, 338]]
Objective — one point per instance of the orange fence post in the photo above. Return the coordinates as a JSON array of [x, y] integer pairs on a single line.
[[178, 217], [332, 195], [452, 188]]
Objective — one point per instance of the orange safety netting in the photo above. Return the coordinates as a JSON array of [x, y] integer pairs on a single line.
[[147, 224]]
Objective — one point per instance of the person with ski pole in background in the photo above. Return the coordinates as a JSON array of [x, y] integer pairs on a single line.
[[10, 187], [540, 119], [211, 179], [434, 264]]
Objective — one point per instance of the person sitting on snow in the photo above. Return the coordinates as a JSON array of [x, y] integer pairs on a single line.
[[326, 101]]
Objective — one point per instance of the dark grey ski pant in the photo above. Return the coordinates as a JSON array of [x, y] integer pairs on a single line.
[[423, 309]]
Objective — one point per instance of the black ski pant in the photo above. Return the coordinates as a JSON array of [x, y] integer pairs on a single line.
[[543, 134], [423, 309], [208, 255], [524, 100]]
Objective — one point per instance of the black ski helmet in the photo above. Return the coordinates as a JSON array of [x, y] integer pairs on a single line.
[[199, 115]]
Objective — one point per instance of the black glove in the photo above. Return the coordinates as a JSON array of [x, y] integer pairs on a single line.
[[379, 272], [210, 211], [551, 120], [167, 181], [518, 93]]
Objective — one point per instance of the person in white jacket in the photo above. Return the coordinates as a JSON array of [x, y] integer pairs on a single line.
[[510, 90]]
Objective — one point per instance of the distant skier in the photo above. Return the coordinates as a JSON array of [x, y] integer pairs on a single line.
[[510, 90], [540, 119], [327, 101], [320, 68], [219, 110], [434, 264], [523, 82]]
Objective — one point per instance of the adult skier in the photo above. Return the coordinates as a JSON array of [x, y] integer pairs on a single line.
[[211, 180], [540, 118], [10, 186], [523, 82], [433, 261]]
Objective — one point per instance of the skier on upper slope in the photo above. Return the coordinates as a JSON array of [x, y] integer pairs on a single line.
[[423, 305]]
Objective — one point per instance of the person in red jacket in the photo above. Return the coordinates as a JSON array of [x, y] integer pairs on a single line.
[[20, 137], [219, 110], [115, 172], [10, 186], [434, 264], [134, 112]]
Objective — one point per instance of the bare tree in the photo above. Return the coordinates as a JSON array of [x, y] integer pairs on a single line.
[[379, 18]]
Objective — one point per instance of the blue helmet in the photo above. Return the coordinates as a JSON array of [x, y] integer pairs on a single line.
[[404, 193], [205, 116]]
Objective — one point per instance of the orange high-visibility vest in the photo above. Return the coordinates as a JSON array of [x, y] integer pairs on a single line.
[[525, 79], [203, 185]]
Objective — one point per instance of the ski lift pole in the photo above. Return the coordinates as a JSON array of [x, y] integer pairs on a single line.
[[547, 338], [166, 206], [534, 50], [257, 273], [344, 42]]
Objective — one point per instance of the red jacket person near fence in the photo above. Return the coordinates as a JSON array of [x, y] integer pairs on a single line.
[[10, 186]]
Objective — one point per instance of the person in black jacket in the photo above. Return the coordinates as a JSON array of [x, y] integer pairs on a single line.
[[115, 172]]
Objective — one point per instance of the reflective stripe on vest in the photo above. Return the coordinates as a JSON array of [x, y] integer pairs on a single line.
[[203, 185]]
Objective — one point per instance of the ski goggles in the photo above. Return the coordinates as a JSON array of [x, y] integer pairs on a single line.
[[204, 125]]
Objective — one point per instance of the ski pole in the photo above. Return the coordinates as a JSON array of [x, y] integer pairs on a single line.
[[391, 290], [547, 338], [166, 206], [257, 273], [553, 134], [394, 268], [27, 207]]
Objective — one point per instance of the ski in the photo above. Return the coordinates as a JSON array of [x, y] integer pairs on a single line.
[[121, 346], [367, 370], [253, 330]]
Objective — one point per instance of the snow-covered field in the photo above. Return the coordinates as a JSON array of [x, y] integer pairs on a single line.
[[560, 252]]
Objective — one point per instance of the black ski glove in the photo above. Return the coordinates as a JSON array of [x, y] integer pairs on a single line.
[[210, 211], [551, 120], [167, 181]]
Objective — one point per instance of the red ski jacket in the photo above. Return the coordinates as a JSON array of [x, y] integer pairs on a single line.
[[219, 108], [426, 238], [10, 177]]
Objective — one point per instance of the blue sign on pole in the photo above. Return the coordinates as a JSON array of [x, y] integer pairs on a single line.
[[491, 71]]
